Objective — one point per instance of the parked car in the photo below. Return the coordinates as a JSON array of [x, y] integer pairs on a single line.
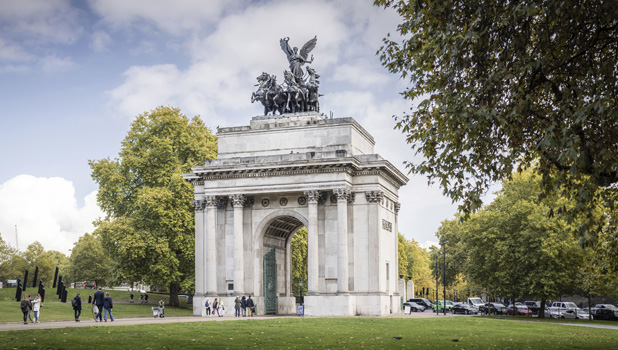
[[421, 301], [494, 308], [606, 312], [440, 305], [414, 306], [534, 306], [559, 308], [519, 310], [464, 308]]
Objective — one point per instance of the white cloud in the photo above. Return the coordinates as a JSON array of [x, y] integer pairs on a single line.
[[360, 75], [99, 41], [41, 21], [174, 17], [53, 64], [44, 210]]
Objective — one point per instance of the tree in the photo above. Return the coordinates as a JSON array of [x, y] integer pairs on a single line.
[[7, 261], [414, 262], [299, 259], [515, 249], [505, 84], [148, 230], [88, 261]]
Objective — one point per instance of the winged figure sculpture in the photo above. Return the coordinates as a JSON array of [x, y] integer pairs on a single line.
[[297, 59]]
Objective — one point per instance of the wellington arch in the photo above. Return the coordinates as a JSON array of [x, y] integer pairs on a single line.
[[284, 172]]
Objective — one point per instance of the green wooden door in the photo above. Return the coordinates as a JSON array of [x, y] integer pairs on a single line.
[[270, 283]]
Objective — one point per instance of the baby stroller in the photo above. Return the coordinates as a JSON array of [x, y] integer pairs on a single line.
[[157, 312]]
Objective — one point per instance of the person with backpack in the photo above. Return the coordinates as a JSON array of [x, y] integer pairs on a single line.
[[77, 306], [26, 306], [207, 307]]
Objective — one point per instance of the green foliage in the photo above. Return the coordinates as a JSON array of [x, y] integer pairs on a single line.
[[299, 261], [514, 249], [149, 228], [501, 84], [414, 262], [89, 262]]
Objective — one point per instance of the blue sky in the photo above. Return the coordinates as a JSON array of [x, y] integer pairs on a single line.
[[74, 74]]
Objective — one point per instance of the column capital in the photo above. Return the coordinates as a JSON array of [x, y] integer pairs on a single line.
[[397, 207], [221, 202], [374, 196], [343, 194], [210, 201], [313, 196], [238, 200], [199, 205]]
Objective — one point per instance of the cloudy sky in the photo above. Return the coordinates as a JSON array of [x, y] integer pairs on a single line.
[[74, 74]]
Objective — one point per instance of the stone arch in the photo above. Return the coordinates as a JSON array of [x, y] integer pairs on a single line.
[[276, 230]]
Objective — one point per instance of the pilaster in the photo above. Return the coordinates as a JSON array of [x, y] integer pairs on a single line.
[[342, 240], [238, 201]]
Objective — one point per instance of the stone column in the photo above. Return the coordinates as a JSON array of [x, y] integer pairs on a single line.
[[199, 246], [313, 263], [374, 198], [210, 245], [396, 232], [238, 201], [342, 240]]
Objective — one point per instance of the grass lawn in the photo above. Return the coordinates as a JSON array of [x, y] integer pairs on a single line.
[[54, 310], [321, 333]]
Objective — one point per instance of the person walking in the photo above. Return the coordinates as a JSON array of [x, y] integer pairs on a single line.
[[108, 305], [250, 305], [98, 301], [77, 306], [207, 304], [221, 307], [237, 307], [26, 307], [36, 307], [243, 306], [215, 307]]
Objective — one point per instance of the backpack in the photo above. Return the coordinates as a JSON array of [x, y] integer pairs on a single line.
[[73, 302], [206, 303]]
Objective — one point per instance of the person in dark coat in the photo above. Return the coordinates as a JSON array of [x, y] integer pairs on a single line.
[[77, 306], [98, 301], [26, 306], [250, 305], [107, 304], [243, 306]]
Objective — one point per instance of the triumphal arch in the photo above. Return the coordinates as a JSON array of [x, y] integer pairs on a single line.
[[284, 172]]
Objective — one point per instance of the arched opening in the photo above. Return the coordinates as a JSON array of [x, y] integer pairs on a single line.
[[284, 263]]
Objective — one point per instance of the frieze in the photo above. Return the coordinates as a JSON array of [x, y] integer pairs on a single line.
[[265, 202], [303, 200], [283, 202]]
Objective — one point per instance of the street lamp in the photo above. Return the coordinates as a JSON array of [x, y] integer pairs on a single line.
[[301, 299], [443, 244]]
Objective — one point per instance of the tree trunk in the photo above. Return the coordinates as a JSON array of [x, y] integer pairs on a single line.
[[542, 308], [174, 289]]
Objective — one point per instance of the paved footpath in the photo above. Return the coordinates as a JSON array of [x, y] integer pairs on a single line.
[[12, 326], [89, 322]]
